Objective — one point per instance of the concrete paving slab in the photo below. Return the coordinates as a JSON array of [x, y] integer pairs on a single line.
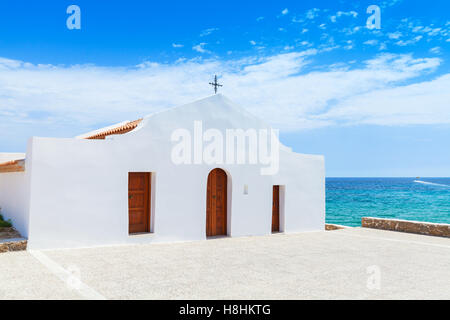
[[23, 277], [353, 263]]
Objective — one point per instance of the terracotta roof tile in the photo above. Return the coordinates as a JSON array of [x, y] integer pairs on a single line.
[[118, 130], [13, 166]]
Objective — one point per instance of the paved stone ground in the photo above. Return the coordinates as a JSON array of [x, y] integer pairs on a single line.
[[341, 264]]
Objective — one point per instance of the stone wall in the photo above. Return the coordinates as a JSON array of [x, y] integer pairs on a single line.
[[13, 246], [11, 240], [425, 228]]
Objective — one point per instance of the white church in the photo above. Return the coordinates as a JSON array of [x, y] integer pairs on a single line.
[[197, 171]]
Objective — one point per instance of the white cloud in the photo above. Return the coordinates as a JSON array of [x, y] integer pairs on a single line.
[[339, 14], [351, 31], [404, 43], [372, 42], [280, 89], [200, 48], [420, 103], [285, 11], [389, 3], [353, 14], [394, 35], [430, 30], [207, 32], [349, 45], [434, 32], [252, 42], [435, 50], [176, 45], [312, 13]]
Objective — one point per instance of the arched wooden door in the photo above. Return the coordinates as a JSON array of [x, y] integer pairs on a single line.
[[216, 203]]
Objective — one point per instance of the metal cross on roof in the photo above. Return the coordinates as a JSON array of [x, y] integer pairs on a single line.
[[215, 84]]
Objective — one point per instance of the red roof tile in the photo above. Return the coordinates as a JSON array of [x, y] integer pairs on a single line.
[[13, 166], [118, 130]]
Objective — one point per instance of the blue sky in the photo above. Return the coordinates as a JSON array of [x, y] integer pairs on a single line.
[[374, 102]]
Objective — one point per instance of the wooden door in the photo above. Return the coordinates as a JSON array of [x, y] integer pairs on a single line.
[[276, 209], [216, 206], [139, 202]]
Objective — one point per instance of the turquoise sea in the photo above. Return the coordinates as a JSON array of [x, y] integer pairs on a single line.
[[419, 199]]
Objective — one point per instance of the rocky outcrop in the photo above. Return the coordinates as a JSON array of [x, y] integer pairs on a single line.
[[330, 227], [426, 228]]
